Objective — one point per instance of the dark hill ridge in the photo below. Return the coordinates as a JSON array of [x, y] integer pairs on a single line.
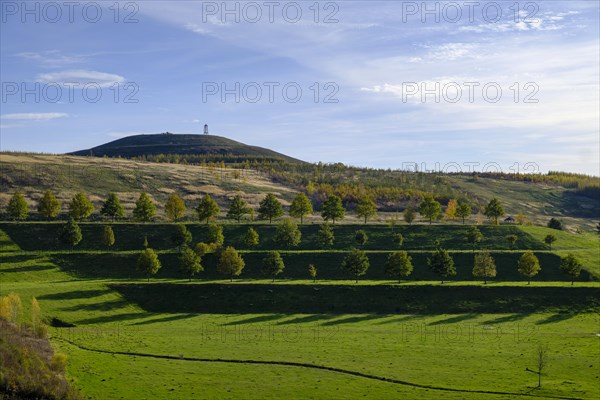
[[168, 143]]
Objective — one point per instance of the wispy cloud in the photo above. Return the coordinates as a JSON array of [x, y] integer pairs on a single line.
[[81, 77], [52, 58], [33, 116]]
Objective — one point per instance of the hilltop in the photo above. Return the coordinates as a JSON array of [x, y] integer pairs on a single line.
[[142, 146]]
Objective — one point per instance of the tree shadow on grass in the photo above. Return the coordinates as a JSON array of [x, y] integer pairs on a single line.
[[455, 319], [254, 320], [508, 318], [350, 320], [556, 318], [308, 318], [31, 268], [165, 319], [404, 318], [14, 259], [75, 294], [101, 306], [112, 318]]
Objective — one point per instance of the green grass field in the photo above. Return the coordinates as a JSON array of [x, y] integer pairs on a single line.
[[172, 339]]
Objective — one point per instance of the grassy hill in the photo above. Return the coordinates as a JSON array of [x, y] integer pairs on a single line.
[[32, 174], [168, 143], [66, 175]]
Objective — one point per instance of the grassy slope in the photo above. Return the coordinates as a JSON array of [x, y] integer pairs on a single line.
[[492, 350], [67, 175], [129, 236], [586, 246], [538, 202]]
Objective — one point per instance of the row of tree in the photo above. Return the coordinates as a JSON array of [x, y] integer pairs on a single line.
[[286, 235], [332, 209], [398, 264]]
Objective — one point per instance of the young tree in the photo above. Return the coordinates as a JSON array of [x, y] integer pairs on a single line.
[[144, 208], [494, 210], [148, 262], [237, 208], [484, 266], [288, 234], [361, 237], [463, 211], [521, 219], [190, 262], [252, 239], [71, 233], [215, 235], [48, 206], [512, 239], [333, 209], [108, 236], [270, 208], [392, 222], [398, 239], [529, 265], [10, 307], [451, 209], [207, 209], [430, 208], [312, 271], [409, 215], [272, 264], [112, 207], [399, 264], [473, 236], [17, 207], [145, 244], [571, 265], [541, 362], [325, 236], [366, 208], [80, 207], [175, 207], [549, 239], [555, 224], [230, 263], [300, 207], [442, 264], [37, 322], [181, 236], [356, 263]]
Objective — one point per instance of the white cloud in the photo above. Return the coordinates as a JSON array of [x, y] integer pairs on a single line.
[[33, 116], [81, 77], [51, 58]]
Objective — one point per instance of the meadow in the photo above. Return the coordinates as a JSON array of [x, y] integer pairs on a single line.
[[169, 338]]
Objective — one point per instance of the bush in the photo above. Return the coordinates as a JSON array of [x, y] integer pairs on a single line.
[[29, 367], [361, 237], [555, 224]]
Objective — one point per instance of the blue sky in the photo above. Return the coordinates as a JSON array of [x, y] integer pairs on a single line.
[[372, 62]]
